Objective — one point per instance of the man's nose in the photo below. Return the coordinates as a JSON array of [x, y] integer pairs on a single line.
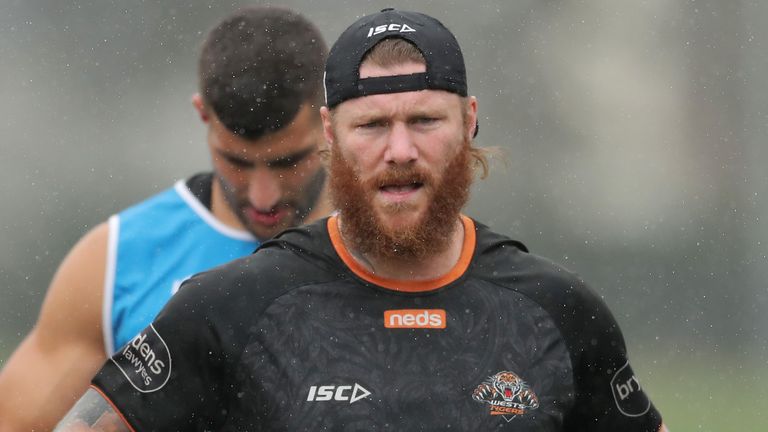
[[264, 189], [400, 145]]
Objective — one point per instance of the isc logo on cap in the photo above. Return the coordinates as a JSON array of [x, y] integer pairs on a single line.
[[415, 318], [400, 28]]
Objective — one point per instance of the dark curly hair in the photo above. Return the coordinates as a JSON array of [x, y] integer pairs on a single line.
[[258, 66]]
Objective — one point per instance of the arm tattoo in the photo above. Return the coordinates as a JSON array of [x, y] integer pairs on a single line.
[[92, 413]]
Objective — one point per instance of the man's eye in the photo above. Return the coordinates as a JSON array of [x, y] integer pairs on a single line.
[[425, 120], [284, 163], [240, 163], [371, 124], [293, 160]]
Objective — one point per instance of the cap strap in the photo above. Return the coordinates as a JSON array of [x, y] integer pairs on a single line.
[[392, 84]]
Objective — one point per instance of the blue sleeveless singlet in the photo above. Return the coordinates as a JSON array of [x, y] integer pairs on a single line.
[[153, 247]]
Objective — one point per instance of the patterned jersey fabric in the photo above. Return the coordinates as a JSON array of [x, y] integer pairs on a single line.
[[298, 337]]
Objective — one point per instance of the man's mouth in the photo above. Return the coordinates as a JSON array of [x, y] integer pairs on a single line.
[[401, 189], [268, 218]]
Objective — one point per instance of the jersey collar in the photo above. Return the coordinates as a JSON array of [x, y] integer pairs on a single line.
[[467, 251]]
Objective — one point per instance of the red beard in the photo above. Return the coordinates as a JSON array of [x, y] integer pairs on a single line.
[[430, 235]]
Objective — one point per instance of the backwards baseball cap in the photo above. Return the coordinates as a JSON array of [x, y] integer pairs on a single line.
[[445, 63]]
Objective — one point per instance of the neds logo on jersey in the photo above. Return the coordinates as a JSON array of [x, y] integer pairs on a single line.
[[145, 361], [415, 318]]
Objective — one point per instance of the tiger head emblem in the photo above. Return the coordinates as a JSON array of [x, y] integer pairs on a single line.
[[507, 394]]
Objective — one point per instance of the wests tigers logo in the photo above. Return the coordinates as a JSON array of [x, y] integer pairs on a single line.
[[507, 394]]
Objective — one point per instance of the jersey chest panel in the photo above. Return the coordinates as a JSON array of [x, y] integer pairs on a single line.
[[326, 357]]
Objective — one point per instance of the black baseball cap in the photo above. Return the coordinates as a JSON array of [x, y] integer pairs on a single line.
[[445, 62]]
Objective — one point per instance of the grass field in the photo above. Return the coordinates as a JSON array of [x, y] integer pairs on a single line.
[[715, 396]]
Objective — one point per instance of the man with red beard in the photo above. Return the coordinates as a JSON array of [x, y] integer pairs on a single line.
[[396, 313]]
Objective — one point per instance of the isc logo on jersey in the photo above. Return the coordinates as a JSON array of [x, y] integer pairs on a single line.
[[399, 28], [342, 393], [415, 318], [145, 361]]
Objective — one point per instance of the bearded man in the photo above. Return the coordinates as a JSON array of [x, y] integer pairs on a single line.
[[396, 313]]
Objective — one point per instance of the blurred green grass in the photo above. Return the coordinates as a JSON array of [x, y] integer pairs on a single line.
[[703, 395]]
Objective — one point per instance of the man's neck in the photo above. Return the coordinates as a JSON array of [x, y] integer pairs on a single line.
[[221, 209], [321, 208], [431, 267]]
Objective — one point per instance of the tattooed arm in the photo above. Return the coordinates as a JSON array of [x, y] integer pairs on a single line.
[[92, 413]]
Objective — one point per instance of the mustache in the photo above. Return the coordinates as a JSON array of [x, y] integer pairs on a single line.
[[398, 175]]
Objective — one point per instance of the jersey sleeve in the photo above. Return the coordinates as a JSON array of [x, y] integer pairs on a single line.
[[608, 396], [170, 376]]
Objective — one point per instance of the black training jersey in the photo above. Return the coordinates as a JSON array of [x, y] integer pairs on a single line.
[[298, 337]]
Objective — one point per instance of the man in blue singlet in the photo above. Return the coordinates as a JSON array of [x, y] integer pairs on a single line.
[[260, 76]]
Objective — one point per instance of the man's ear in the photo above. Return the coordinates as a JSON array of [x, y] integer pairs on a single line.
[[325, 116], [472, 117], [197, 102]]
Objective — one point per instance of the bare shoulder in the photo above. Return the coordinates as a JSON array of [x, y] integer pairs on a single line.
[[76, 291], [54, 364]]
